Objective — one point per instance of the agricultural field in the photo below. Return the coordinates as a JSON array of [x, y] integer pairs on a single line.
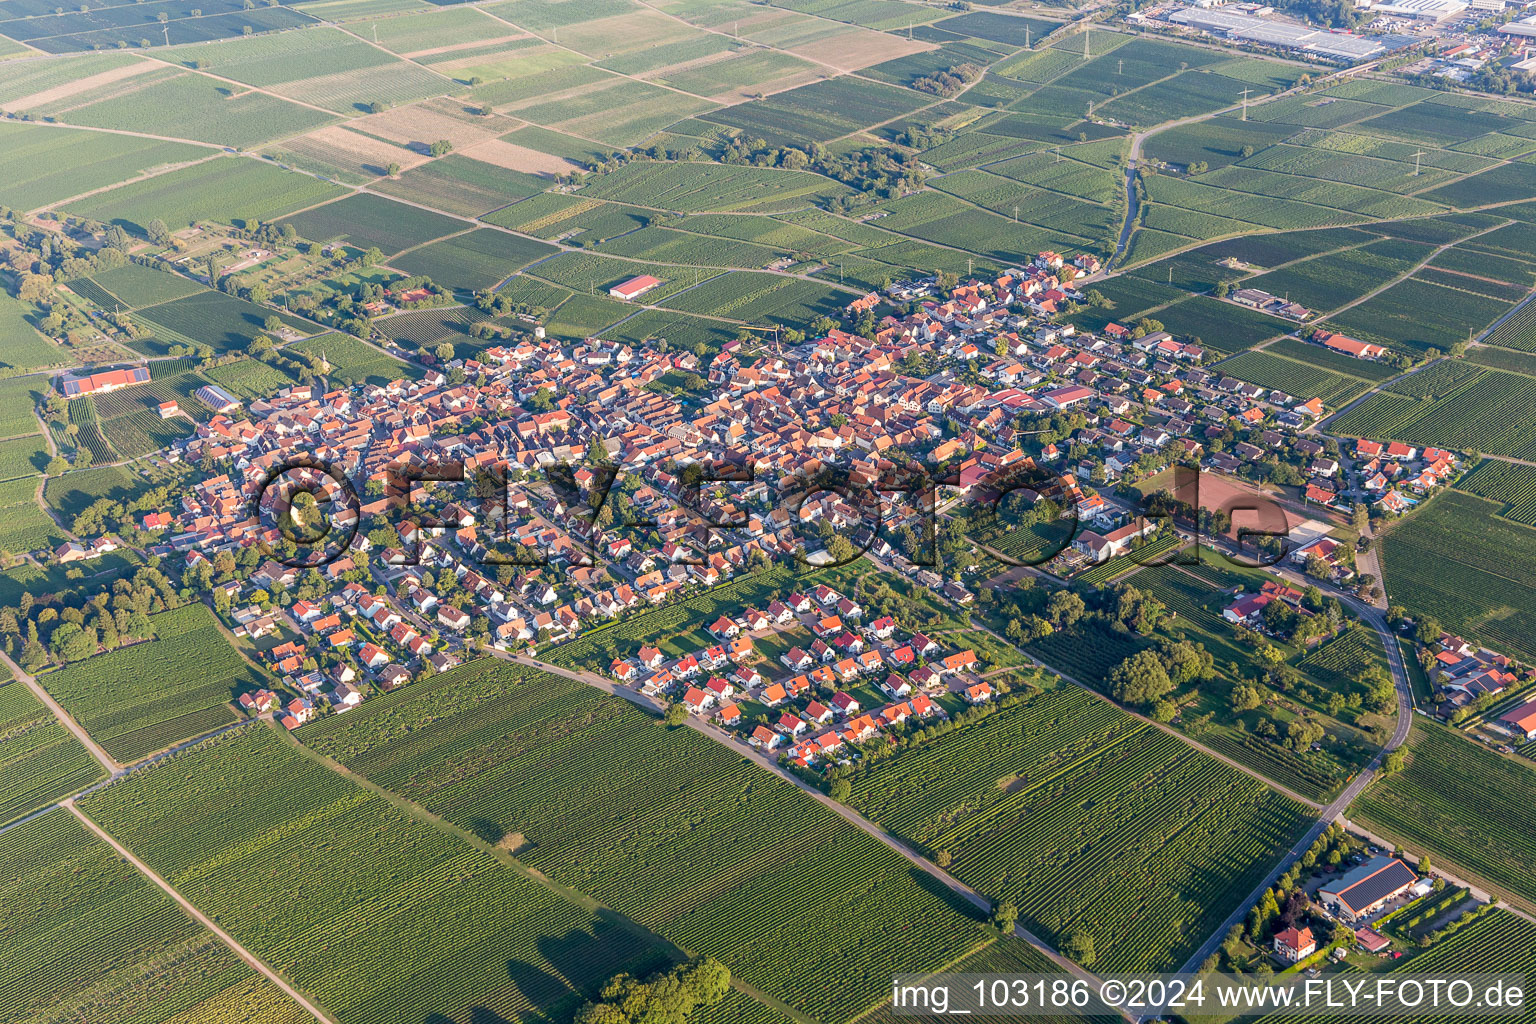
[[483, 938], [480, 259], [41, 166], [88, 937], [760, 298], [134, 287], [229, 191], [365, 221], [248, 378], [72, 494], [1296, 379], [1485, 411], [149, 695], [213, 319], [18, 397], [21, 346], [463, 185], [1087, 841], [200, 109], [1462, 804], [1457, 560], [700, 188], [24, 526], [54, 31], [40, 761], [750, 839], [1415, 316], [353, 360], [1507, 482], [22, 456]]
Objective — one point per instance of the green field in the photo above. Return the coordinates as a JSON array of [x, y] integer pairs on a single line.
[[1455, 560], [136, 700], [23, 525], [40, 762], [480, 259], [1510, 483], [22, 456], [363, 221], [1464, 805], [1296, 379], [89, 938], [230, 191], [474, 938], [605, 799], [43, 165], [21, 346], [202, 109], [216, 319], [353, 360], [461, 185]]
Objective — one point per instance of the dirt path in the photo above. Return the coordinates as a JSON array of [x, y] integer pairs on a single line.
[[107, 762], [202, 919]]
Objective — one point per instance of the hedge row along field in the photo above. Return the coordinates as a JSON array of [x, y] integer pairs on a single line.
[[1465, 805], [142, 698], [1141, 841], [40, 762], [665, 826], [88, 938], [326, 883], [1456, 561]]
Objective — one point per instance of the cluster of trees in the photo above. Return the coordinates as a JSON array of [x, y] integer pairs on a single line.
[[1149, 677], [950, 81], [487, 301], [69, 627], [669, 998]]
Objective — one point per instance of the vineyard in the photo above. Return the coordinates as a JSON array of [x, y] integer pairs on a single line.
[[87, 938], [1143, 842], [1508, 482], [1296, 379], [140, 698], [665, 826], [1491, 411], [1457, 561], [923, 791], [1497, 942], [292, 858], [1150, 553], [40, 762], [82, 416], [1465, 805]]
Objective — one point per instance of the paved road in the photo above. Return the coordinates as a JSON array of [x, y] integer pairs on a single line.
[[202, 919], [113, 767], [1377, 620], [771, 764]]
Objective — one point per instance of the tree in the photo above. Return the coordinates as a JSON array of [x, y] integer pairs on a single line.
[[840, 790], [944, 858], [442, 147], [1394, 763], [1140, 679], [1005, 916], [676, 715], [444, 352], [1424, 865], [393, 170], [670, 998], [1246, 151], [1065, 608], [158, 232], [1245, 697], [1078, 945]]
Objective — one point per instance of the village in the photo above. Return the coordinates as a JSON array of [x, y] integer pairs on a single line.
[[956, 381]]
